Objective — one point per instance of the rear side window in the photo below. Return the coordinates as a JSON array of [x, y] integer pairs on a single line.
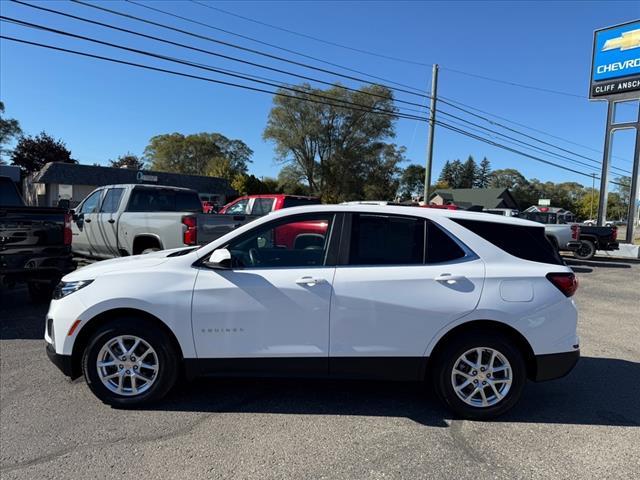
[[440, 246], [299, 202], [262, 206], [163, 200], [386, 240], [527, 243]]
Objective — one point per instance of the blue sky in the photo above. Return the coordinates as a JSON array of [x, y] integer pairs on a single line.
[[102, 110]]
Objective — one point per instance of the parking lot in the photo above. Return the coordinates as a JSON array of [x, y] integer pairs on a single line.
[[585, 425]]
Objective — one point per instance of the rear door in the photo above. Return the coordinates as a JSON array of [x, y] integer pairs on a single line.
[[400, 279]]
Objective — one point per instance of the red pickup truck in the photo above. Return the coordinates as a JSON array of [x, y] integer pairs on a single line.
[[259, 205], [248, 208]]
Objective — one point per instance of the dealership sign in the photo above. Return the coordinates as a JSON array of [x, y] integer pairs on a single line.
[[615, 68]]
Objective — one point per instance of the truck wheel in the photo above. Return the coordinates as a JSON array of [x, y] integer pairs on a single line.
[[128, 363], [586, 250], [479, 375], [40, 292]]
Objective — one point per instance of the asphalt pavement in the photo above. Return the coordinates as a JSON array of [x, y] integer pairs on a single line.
[[586, 425]]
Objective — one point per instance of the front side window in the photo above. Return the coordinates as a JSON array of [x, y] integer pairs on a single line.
[[298, 242], [238, 208], [111, 200], [386, 240], [90, 205], [262, 206]]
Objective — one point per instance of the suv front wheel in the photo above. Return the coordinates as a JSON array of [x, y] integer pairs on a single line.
[[128, 363], [479, 376]]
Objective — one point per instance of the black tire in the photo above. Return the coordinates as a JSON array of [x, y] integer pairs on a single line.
[[447, 358], [168, 361], [586, 250], [40, 292]]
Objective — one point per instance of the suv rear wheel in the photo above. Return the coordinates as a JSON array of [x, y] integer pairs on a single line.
[[129, 363], [480, 375]]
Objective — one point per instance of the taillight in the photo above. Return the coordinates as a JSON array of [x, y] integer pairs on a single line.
[[190, 234], [67, 235], [614, 235], [567, 283], [575, 232]]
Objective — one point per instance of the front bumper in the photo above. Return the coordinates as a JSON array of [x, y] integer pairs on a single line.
[[555, 365], [63, 362]]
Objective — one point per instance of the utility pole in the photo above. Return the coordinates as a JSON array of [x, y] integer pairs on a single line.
[[432, 125], [593, 192]]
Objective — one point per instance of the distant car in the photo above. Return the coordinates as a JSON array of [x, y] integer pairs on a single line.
[[35, 243], [473, 303], [122, 220], [258, 205]]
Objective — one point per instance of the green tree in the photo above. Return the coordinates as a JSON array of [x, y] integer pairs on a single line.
[[338, 149], [198, 154], [468, 173], [129, 160], [9, 129], [32, 153], [483, 176], [292, 181], [248, 185], [412, 182]]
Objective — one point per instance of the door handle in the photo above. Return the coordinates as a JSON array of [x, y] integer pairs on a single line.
[[449, 279], [111, 220], [310, 281], [88, 220]]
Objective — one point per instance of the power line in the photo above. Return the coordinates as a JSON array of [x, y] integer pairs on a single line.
[[278, 47], [389, 57], [255, 89], [209, 52], [239, 47], [198, 65], [321, 40], [245, 77], [281, 59], [533, 129]]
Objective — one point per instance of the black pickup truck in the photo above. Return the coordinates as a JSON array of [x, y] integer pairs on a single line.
[[594, 238], [35, 243]]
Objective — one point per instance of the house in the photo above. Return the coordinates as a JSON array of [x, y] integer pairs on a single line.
[[67, 181], [474, 197]]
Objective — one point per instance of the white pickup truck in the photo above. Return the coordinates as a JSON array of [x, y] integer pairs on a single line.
[[121, 220]]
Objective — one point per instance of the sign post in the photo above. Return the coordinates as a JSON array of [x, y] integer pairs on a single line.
[[615, 77]]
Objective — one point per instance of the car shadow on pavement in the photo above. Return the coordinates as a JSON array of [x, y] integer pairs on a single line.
[[600, 391]]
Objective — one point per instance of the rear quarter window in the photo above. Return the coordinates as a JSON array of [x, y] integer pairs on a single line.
[[527, 243]]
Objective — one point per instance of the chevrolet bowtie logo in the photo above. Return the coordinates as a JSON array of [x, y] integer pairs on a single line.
[[626, 41]]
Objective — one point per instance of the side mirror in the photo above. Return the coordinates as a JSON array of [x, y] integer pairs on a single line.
[[220, 259]]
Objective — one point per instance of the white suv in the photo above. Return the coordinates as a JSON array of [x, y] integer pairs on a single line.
[[471, 302]]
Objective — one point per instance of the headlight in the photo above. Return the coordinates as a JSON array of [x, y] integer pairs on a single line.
[[67, 288]]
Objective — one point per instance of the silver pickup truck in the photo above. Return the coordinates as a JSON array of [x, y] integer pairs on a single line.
[[120, 220], [564, 236]]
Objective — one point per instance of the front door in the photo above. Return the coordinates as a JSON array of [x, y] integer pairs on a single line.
[[269, 314], [108, 223], [404, 278], [85, 221]]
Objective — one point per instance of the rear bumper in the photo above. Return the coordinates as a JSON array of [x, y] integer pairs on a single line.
[[63, 362], [610, 246], [555, 365]]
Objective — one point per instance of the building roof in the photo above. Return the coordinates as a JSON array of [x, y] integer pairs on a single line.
[[485, 197], [68, 173]]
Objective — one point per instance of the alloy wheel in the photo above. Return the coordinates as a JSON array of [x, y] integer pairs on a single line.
[[481, 377], [127, 365]]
